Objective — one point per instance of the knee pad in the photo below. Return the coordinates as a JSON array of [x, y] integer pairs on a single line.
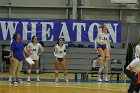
[[29, 71]]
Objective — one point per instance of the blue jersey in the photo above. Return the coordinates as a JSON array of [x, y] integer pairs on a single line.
[[17, 48]]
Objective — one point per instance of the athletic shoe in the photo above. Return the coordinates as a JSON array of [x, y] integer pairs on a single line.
[[38, 80], [56, 80], [106, 80], [99, 80], [66, 80], [28, 80], [10, 80]]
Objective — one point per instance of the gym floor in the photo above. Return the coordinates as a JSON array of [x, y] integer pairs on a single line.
[[47, 85]]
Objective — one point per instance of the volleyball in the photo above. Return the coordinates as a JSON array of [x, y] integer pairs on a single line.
[[27, 52]]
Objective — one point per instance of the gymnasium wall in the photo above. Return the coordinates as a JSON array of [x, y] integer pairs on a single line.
[[76, 10], [63, 9]]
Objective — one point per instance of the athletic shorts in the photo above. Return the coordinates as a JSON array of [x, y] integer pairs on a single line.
[[101, 46], [60, 59]]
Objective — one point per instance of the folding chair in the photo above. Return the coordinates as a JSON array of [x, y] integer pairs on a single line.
[[116, 68]]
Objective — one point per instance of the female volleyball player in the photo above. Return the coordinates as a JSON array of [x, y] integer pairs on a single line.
[[36, 50], [10, 67], [103, 48], [137, 49], [60, 53], [16, 58]]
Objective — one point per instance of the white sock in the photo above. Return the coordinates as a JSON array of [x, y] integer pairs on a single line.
[[37, 76], [10, 78], [29, 71], [106, 77], [37, 71], [106, 72], [99, 76], [100, 69], [56, 78]]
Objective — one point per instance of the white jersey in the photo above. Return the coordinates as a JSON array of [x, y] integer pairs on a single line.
[[135, 64], [60, 52], [102, 37], [35, 49], [137, 51]]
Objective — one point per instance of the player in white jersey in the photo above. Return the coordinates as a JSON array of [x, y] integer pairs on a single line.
[[137, 49], [102, 45], [60, 53], [10, 67], [131, 71], [36, 49]]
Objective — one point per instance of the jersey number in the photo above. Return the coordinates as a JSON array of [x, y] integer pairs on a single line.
[[34, 49], [105, 38]]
